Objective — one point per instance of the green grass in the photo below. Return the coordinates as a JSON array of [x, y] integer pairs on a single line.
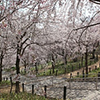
[[22, 73], [93, 73], [3, 83], [61, 67], [10, 69], [22, 96], [40, 67]]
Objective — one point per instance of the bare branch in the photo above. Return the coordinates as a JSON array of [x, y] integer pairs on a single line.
[[95, 1], [86, 26]]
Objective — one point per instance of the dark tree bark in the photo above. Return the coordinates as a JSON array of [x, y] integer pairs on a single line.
[[36, 68], [86, 61], [25, 68], [25, 65], [96, 57], [1, 69], [82, 61], [93, 54], [1, 60], [17, 89], [17, 65], [53, 63], [65, 59], [53, 67]]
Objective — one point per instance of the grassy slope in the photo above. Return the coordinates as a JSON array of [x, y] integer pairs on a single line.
[[61, 68], [21, 96], [5, 93]]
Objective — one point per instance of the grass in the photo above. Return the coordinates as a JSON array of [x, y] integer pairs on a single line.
[[6, 95], [71, 66], [3, 83], [22, 96], [22, 73], [93, 73], [40, 67], [10, 69]]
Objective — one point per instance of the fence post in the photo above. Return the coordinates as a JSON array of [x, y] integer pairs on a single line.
[[83, 74], [50, 71], [89, 69], [98, 76], [65, 70], [56, 72], [45, 90], [22, 87], [64, 94], [33, 89], [90, 62], [70, 80], [77, 74], [96, 82], [11, 84], [6, 78], [72, 68], [79, 66], [44, 73], [70, 75], [95, 67], [52, 81]]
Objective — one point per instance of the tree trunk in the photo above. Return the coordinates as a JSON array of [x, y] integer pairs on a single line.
[[93, 54], [0, 72], [53, 63], [96, 57], [25, 68], [82, 61], [17, 90], [1, 59], [53, 67], [36, 69], [65, 59], [86, 62], [25, 64], [17, 65]]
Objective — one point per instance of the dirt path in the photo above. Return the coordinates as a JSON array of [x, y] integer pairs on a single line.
[[74, 73], [46, 68]]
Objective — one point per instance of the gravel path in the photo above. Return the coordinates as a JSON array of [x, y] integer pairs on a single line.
[[78, 90], [75, 90]]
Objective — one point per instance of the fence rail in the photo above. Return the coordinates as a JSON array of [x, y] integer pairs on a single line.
[[60, 85]]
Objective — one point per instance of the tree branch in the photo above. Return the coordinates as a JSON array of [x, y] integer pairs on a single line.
[[95, 1], [86, 26]]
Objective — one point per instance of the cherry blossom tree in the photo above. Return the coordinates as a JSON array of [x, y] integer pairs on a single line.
[[36, 23], [4, 47]]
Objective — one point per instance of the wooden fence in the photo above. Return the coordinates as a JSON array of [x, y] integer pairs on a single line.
[[70, 80]]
